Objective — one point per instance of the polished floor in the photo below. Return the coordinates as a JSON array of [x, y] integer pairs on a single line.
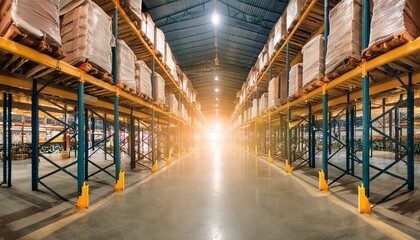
[[219, 193]]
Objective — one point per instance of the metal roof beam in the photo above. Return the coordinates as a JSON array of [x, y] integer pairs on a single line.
[[239, 36], [182, 11], [188, 36]]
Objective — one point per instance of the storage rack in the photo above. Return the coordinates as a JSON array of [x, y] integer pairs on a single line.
[[63, 86], [289, 131]]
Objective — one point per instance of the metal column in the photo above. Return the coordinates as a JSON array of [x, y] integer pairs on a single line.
[[117, 154], [366, 99], [132, 141], [288, 145], [81, 137], [410, 133], [35, 134]]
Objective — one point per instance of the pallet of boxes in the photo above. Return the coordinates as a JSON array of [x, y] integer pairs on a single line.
[[25, 22], [394, 23], [344, 40]]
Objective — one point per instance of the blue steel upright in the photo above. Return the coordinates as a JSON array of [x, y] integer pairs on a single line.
[[81, 137], [117, 154], [366, 100], [288, 137], [410, 133], [35, 134]]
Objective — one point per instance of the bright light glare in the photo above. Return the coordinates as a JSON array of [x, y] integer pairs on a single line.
[[216, 90], [216, 78], [217, 105], [215, 18], [217, 99], [217, 126]]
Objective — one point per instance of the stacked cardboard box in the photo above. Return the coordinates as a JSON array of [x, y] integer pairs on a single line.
[[169, 61], [126, 67], [172, 103], [270, 48], [30, 18], [263, 58], [273, 96], [86, 36], [149, 28], [143, 78], [159, 88], [263, 102], [294, 9], [394, 17], [344, 41], [160, 42], [135, 6], [313, 60], [280, 30], [295, 80], [254, 110]]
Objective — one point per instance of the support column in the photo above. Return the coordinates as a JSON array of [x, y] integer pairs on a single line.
[[325, 135], [288, 133], [105, 135], [132, 141], [86, 144], [35, 134], [117, 155], [81, 137], [352, 135], [310, 142], [410, 133], [366, 99], [348, 106], [9, 140], [92, 124]]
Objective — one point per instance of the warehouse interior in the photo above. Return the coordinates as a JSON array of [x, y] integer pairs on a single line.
[[210, 119]]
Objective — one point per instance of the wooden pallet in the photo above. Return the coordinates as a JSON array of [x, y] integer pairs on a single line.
[[92, 69], [131, 14], [345, 66], [128, 89], [312, 85], [293, 97], [13, 33], [386, 44]]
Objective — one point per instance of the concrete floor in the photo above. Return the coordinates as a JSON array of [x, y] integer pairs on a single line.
[[219, 193]]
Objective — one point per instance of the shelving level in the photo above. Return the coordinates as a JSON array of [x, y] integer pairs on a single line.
[[56, 87], [369, 99]]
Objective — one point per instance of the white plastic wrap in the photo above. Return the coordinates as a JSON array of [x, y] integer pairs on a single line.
[[143, 78], [295, 79], [344, 41], [135, 6], [294, 9], [37, 18], [313, 60], [280, 29], [86, 35], [270, 48], [252, 77], [159, 88], [263, 102], [263, 58], [168, 59], [393, 17], [150, 28], [160, 42], [126, 67], [273, 96], [254, 110], [172, 103]]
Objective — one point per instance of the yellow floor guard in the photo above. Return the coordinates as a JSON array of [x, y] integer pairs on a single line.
[[323, 185], [83, 200]]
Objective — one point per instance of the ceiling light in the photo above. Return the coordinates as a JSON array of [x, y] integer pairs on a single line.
[[217, 99], [215, 18], [216, 90], [217, 105], [216, 78]]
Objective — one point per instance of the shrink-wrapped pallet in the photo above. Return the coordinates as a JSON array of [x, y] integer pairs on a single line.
[[159, 88], [344, 40], [172, 103], [394, 17], [263, 60], [270, 48], [143, 78], [160, 42], [149, 28], [254, 110], [280, 30], [273, 96], [263, 102], [295, 80], [86, 36], [313, 60], [294, 9], [135, 6], [36, 18], [126, 67], [252, 77], [169, 60]]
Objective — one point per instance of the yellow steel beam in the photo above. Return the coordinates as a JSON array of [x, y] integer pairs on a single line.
[[152, 52], [43, 59]]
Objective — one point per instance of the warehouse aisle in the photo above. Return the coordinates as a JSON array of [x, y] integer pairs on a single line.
[[219, 193]]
